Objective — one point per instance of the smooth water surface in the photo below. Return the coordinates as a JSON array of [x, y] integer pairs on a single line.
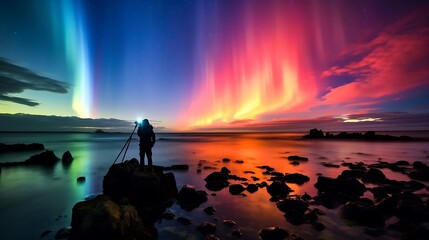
[[34, 199]]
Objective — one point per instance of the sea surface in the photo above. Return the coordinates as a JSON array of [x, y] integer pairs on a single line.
[[36, 199]]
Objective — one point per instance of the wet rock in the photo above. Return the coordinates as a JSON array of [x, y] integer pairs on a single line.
[[374, 176], [278, 189], [410, 206], [234, 177], [210, 210], [81, 179], [306, 197], [331, 165], [252, 188], [101, 218], [239, 161], [318, 226], [255, 178], [421, 174], [294, 209], [63, 233], [363, 212], [410, 229], [184, 221], [273, 233], [354, 173], [419, 165], [225, 170], [46, 158], [295, 163], [297, 178], [249, 172], [207, 228], [211, 237], [67, 158], [226, 160], [236, 189], [402, 163], [297, 158], [190, 199], [237, 233], [45, 233], [216, 181], [143, 188], [229, 223], [268, 168], [168, 215]]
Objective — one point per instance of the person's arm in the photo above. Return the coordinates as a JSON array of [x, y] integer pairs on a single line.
[[153, 138]]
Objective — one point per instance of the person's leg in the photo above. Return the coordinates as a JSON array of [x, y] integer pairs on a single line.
[[149, 158], [142, 151]]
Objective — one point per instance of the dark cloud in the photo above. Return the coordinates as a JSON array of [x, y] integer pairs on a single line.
[[16, 79], [42, 123], [396, 121]]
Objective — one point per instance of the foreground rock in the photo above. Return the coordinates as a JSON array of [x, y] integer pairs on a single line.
[[217, 180], [363, 212], [189, 198], [46, 158], [273, 233], [102, 218], [143, 189]]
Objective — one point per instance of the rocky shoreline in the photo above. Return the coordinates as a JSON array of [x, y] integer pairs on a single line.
[[367, 136]]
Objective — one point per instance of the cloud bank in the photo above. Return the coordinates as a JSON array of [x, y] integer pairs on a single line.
[[16, 79]]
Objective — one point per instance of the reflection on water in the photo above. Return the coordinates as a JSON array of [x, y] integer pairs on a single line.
[[34, 199]]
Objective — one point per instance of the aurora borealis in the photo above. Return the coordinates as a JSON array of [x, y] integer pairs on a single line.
[[218, 64]]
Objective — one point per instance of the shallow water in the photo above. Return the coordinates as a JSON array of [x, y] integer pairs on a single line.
[[34, 199]]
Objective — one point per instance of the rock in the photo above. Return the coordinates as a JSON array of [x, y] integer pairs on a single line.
[[295, 163], [318, 226], [226, 160], [45, 233], [353, 173], [216, 181], [81, 179], [255, 178], [67, 158], [101, 218], [229, 223], [297, 178], [210, 210], [294, 209], [410, 206], [143, 189], [249, 172], [252, 188], [225, 170], [234, 177], [419, 165], [340, 184], [211, 237], [184, 221], [236, 189], [315, 134], [421, 174], [297, 158], [331, 165], [239, 161], [63, 233], [190, 199], [374, 176], [402, 163], [168, 215], [46, 158], [268, 168], [207, 228], [363, 212], [237, 233], [273, 233], [21, 147], [278, 189]]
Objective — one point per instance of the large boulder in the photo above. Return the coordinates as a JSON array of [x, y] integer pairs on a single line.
[[46, 158], [273, 233], [21, 147], [374, 176], [102, 218], [294, 210], [143, 189], [363, 212], [67, 158], [189, 198], [278, 189], [217, 180], [297, 178]]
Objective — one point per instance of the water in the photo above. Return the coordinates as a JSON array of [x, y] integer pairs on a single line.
[[34, 199]]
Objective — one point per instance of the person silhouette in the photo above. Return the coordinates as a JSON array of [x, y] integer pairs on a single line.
[[147, 141]]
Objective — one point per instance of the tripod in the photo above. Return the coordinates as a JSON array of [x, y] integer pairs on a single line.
[[127, 144]]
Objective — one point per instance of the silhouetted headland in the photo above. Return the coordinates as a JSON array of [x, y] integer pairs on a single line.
[[368, 136], [21, 147]]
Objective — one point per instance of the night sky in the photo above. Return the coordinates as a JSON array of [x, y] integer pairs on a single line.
[[205, 64]]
